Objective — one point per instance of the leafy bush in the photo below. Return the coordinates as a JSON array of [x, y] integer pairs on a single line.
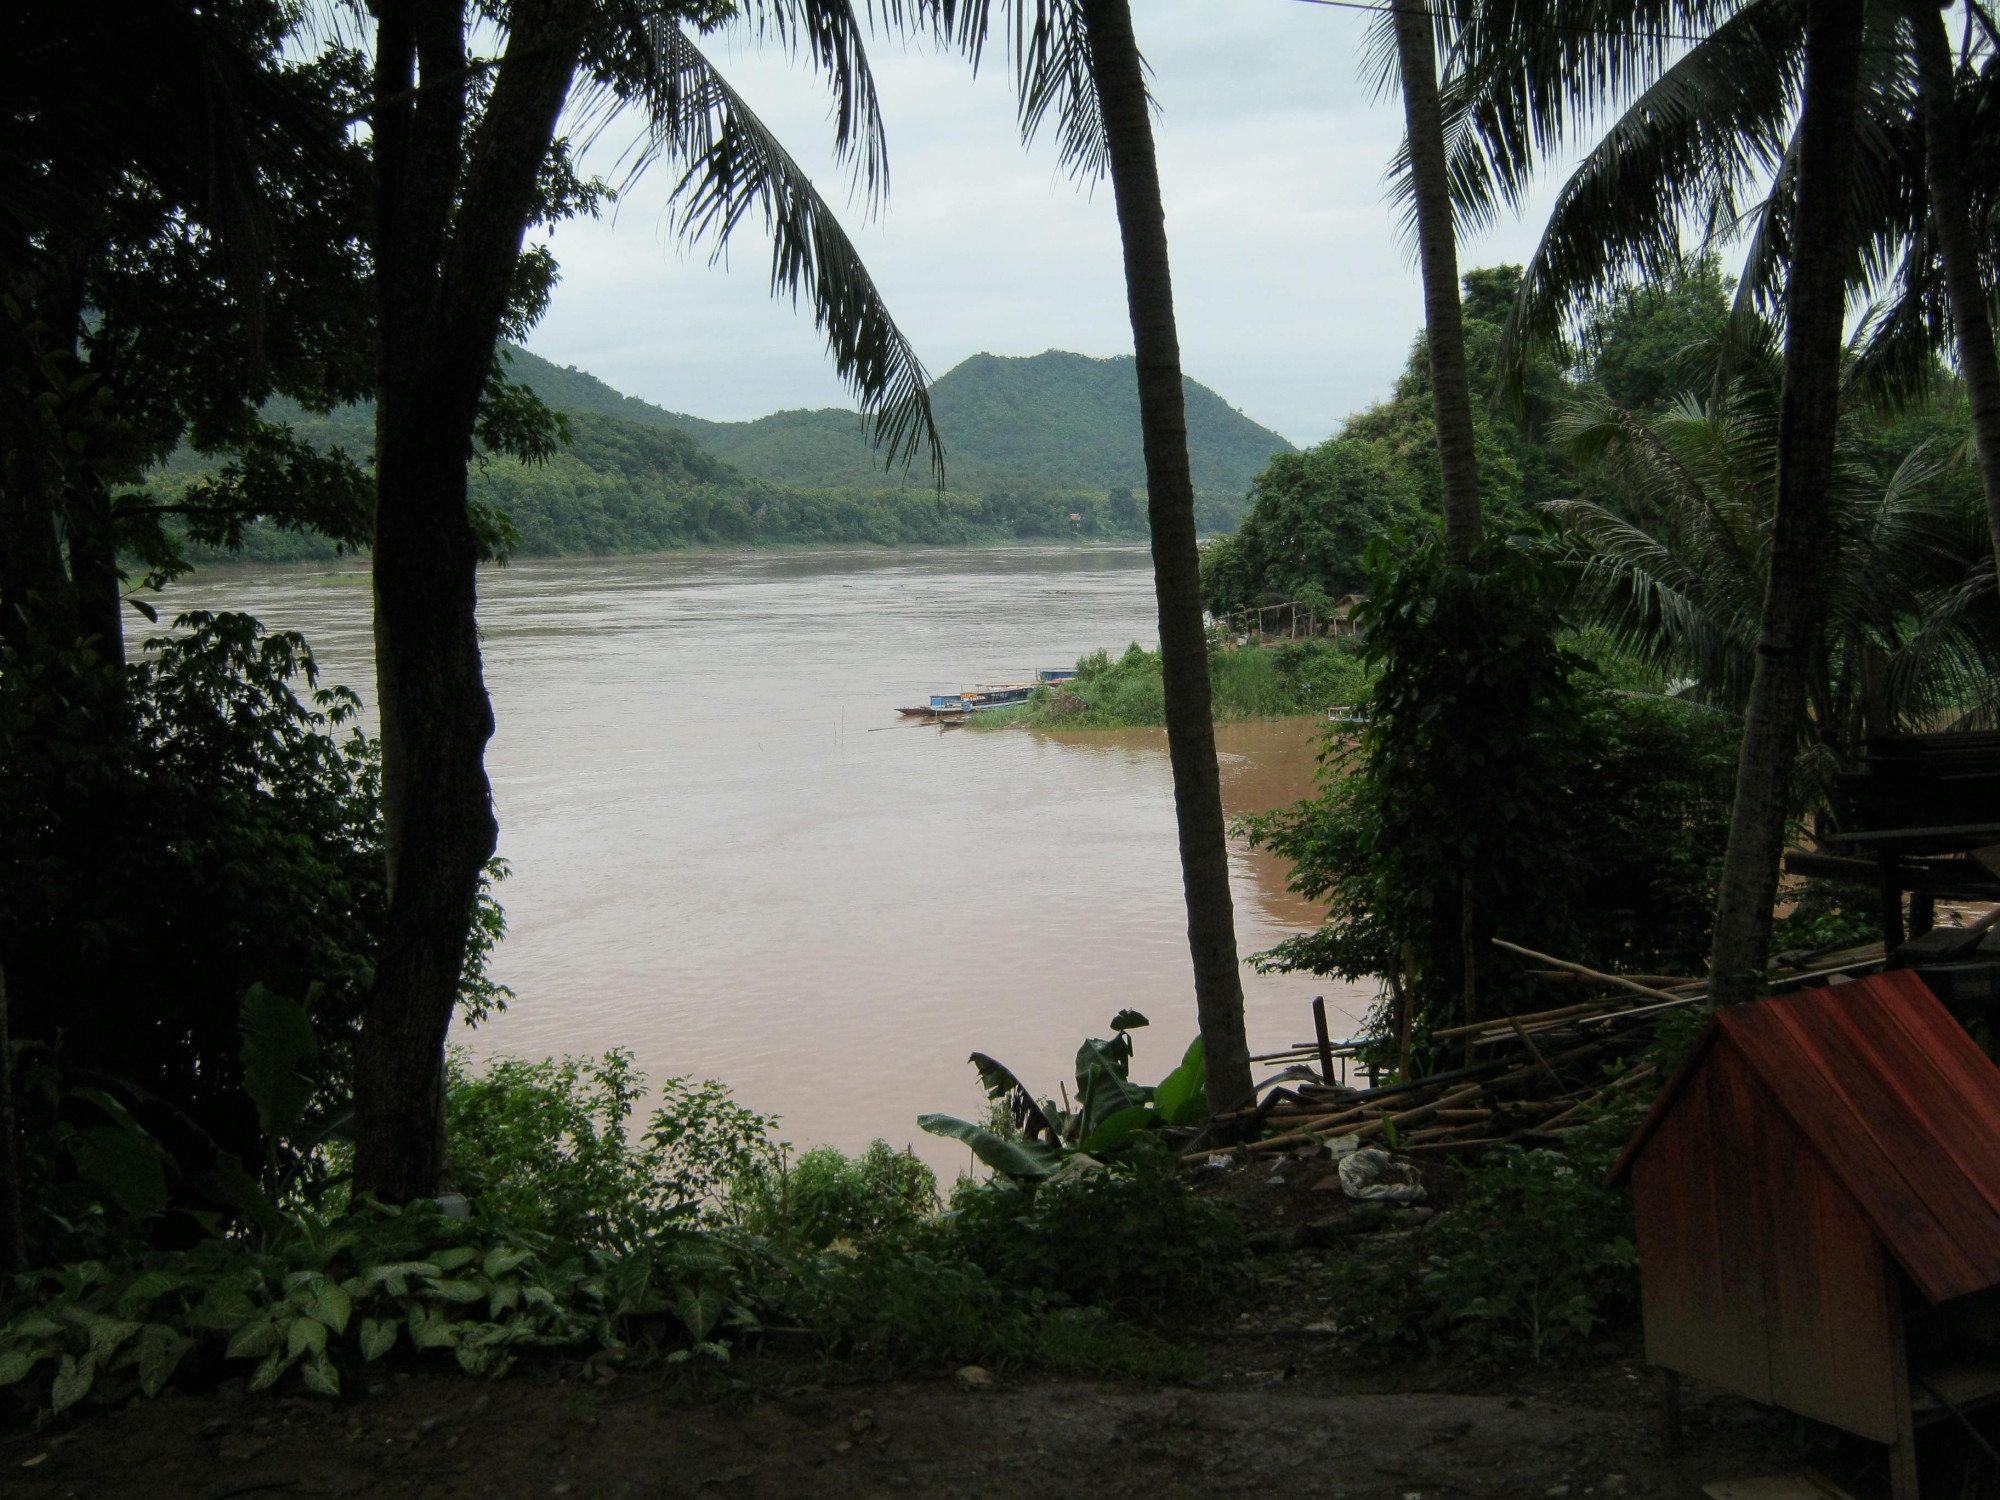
[[546, 1148], [1536, 1257], [1256, 682], [826, 1196], [1133, 1237], [1574, 819], [324, 1299]]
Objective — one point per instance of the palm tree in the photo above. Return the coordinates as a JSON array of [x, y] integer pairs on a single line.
[[1952, 227], [1707, 130], [1695, 137], [1429, 186], [1675, 567], [1077, 64], [464, 150]]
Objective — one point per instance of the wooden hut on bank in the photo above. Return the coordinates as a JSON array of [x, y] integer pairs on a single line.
[[1818, 1198]]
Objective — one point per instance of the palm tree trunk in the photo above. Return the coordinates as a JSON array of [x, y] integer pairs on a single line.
[[449, 231], [1149, 295], [1809, 410], [1437, 249], [1958, 246]]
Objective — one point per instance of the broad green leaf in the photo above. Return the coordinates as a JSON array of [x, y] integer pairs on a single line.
[[504, 1258], [35, 1326], [267, 1373], [1102, 1089], [278, 1041], [505, 1296], [106, 1334], [698, 1308], [458, 1255], [1182, 1097], [331, 1305], [253, 1339], [432, 1330], [74, 1378], [378, 1337], [396, 1276], [457, 1291], [160, 1351], [1024, 1160], [320, 1377], [1117, 1130], [148, 1289], [16, 1364], [303, 1334]]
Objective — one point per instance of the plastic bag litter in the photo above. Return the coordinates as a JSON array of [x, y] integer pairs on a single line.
[[1377, 1177]]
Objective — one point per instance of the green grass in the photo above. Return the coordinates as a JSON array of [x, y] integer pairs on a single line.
[[1255, 682]]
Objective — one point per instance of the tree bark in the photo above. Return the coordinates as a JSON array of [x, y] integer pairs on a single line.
[[1437, 250], [1958, 248], [450, 223], [1149, 295], [1808, 414]]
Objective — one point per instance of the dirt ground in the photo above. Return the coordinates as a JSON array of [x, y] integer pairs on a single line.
[[1286, 1408]]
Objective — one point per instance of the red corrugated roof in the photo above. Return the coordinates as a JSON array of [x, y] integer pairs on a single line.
[[1898, 1100]]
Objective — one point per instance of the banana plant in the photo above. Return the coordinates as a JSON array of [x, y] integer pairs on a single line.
[[1109, 1110]]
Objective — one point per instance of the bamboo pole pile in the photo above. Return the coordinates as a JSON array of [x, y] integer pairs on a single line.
[[1531, 1074]]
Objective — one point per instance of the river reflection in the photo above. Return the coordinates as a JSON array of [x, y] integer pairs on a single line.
[[731, 857]]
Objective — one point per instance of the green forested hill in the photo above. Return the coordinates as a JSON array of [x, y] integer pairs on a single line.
[[1036, 448], [1056, 419]]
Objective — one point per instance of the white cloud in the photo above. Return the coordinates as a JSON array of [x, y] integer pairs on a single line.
[[1296, 297]]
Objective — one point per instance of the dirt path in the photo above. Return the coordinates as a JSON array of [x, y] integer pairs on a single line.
[[796, 1432]]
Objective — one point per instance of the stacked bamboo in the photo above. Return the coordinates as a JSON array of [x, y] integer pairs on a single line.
[[1533, 1074]]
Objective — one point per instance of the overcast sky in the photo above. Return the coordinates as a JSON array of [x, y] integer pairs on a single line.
[[1297, 294]]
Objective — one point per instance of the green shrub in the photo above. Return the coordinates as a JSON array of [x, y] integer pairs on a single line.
[[826, 1196], [1133, 1237], [546, 1148], [1536, 1257]]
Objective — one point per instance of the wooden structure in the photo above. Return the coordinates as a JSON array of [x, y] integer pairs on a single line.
[[1921, 814], [1818, 1196]]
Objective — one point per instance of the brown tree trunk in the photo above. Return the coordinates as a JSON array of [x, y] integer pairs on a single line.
[[450, 222], [1808, 414], [1958, 247], [1437, 249], [1149, 295]]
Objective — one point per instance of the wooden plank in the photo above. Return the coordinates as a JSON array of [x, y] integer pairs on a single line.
[[1702, 1296], [1828, 1294], [1828, 1084]]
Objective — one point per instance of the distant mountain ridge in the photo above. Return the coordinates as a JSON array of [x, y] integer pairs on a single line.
[[1037, 449], [1061, 419]]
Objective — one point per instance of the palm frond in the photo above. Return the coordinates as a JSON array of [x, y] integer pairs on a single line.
[[733, 165], [1714, 122], [1048, 49]]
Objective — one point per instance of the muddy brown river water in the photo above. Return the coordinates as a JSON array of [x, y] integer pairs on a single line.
[[731, 858]]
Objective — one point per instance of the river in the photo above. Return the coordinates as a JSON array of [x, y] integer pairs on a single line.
[[730, 856]]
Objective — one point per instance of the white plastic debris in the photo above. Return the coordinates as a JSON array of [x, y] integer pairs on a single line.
[[1374, 1176]]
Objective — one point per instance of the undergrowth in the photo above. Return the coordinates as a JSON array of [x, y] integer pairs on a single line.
[[674, 1244]]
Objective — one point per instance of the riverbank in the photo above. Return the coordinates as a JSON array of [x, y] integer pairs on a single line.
[[1282, 681]]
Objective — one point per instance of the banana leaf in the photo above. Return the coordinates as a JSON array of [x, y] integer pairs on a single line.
[[1025, 1161], [1000, 1083], [1182, 1096]]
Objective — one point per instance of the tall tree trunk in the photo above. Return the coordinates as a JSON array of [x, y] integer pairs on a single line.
[[1437, 249], [1958, 247], [1149, 296], [449, 229], [1809, 409], [93, 568]]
